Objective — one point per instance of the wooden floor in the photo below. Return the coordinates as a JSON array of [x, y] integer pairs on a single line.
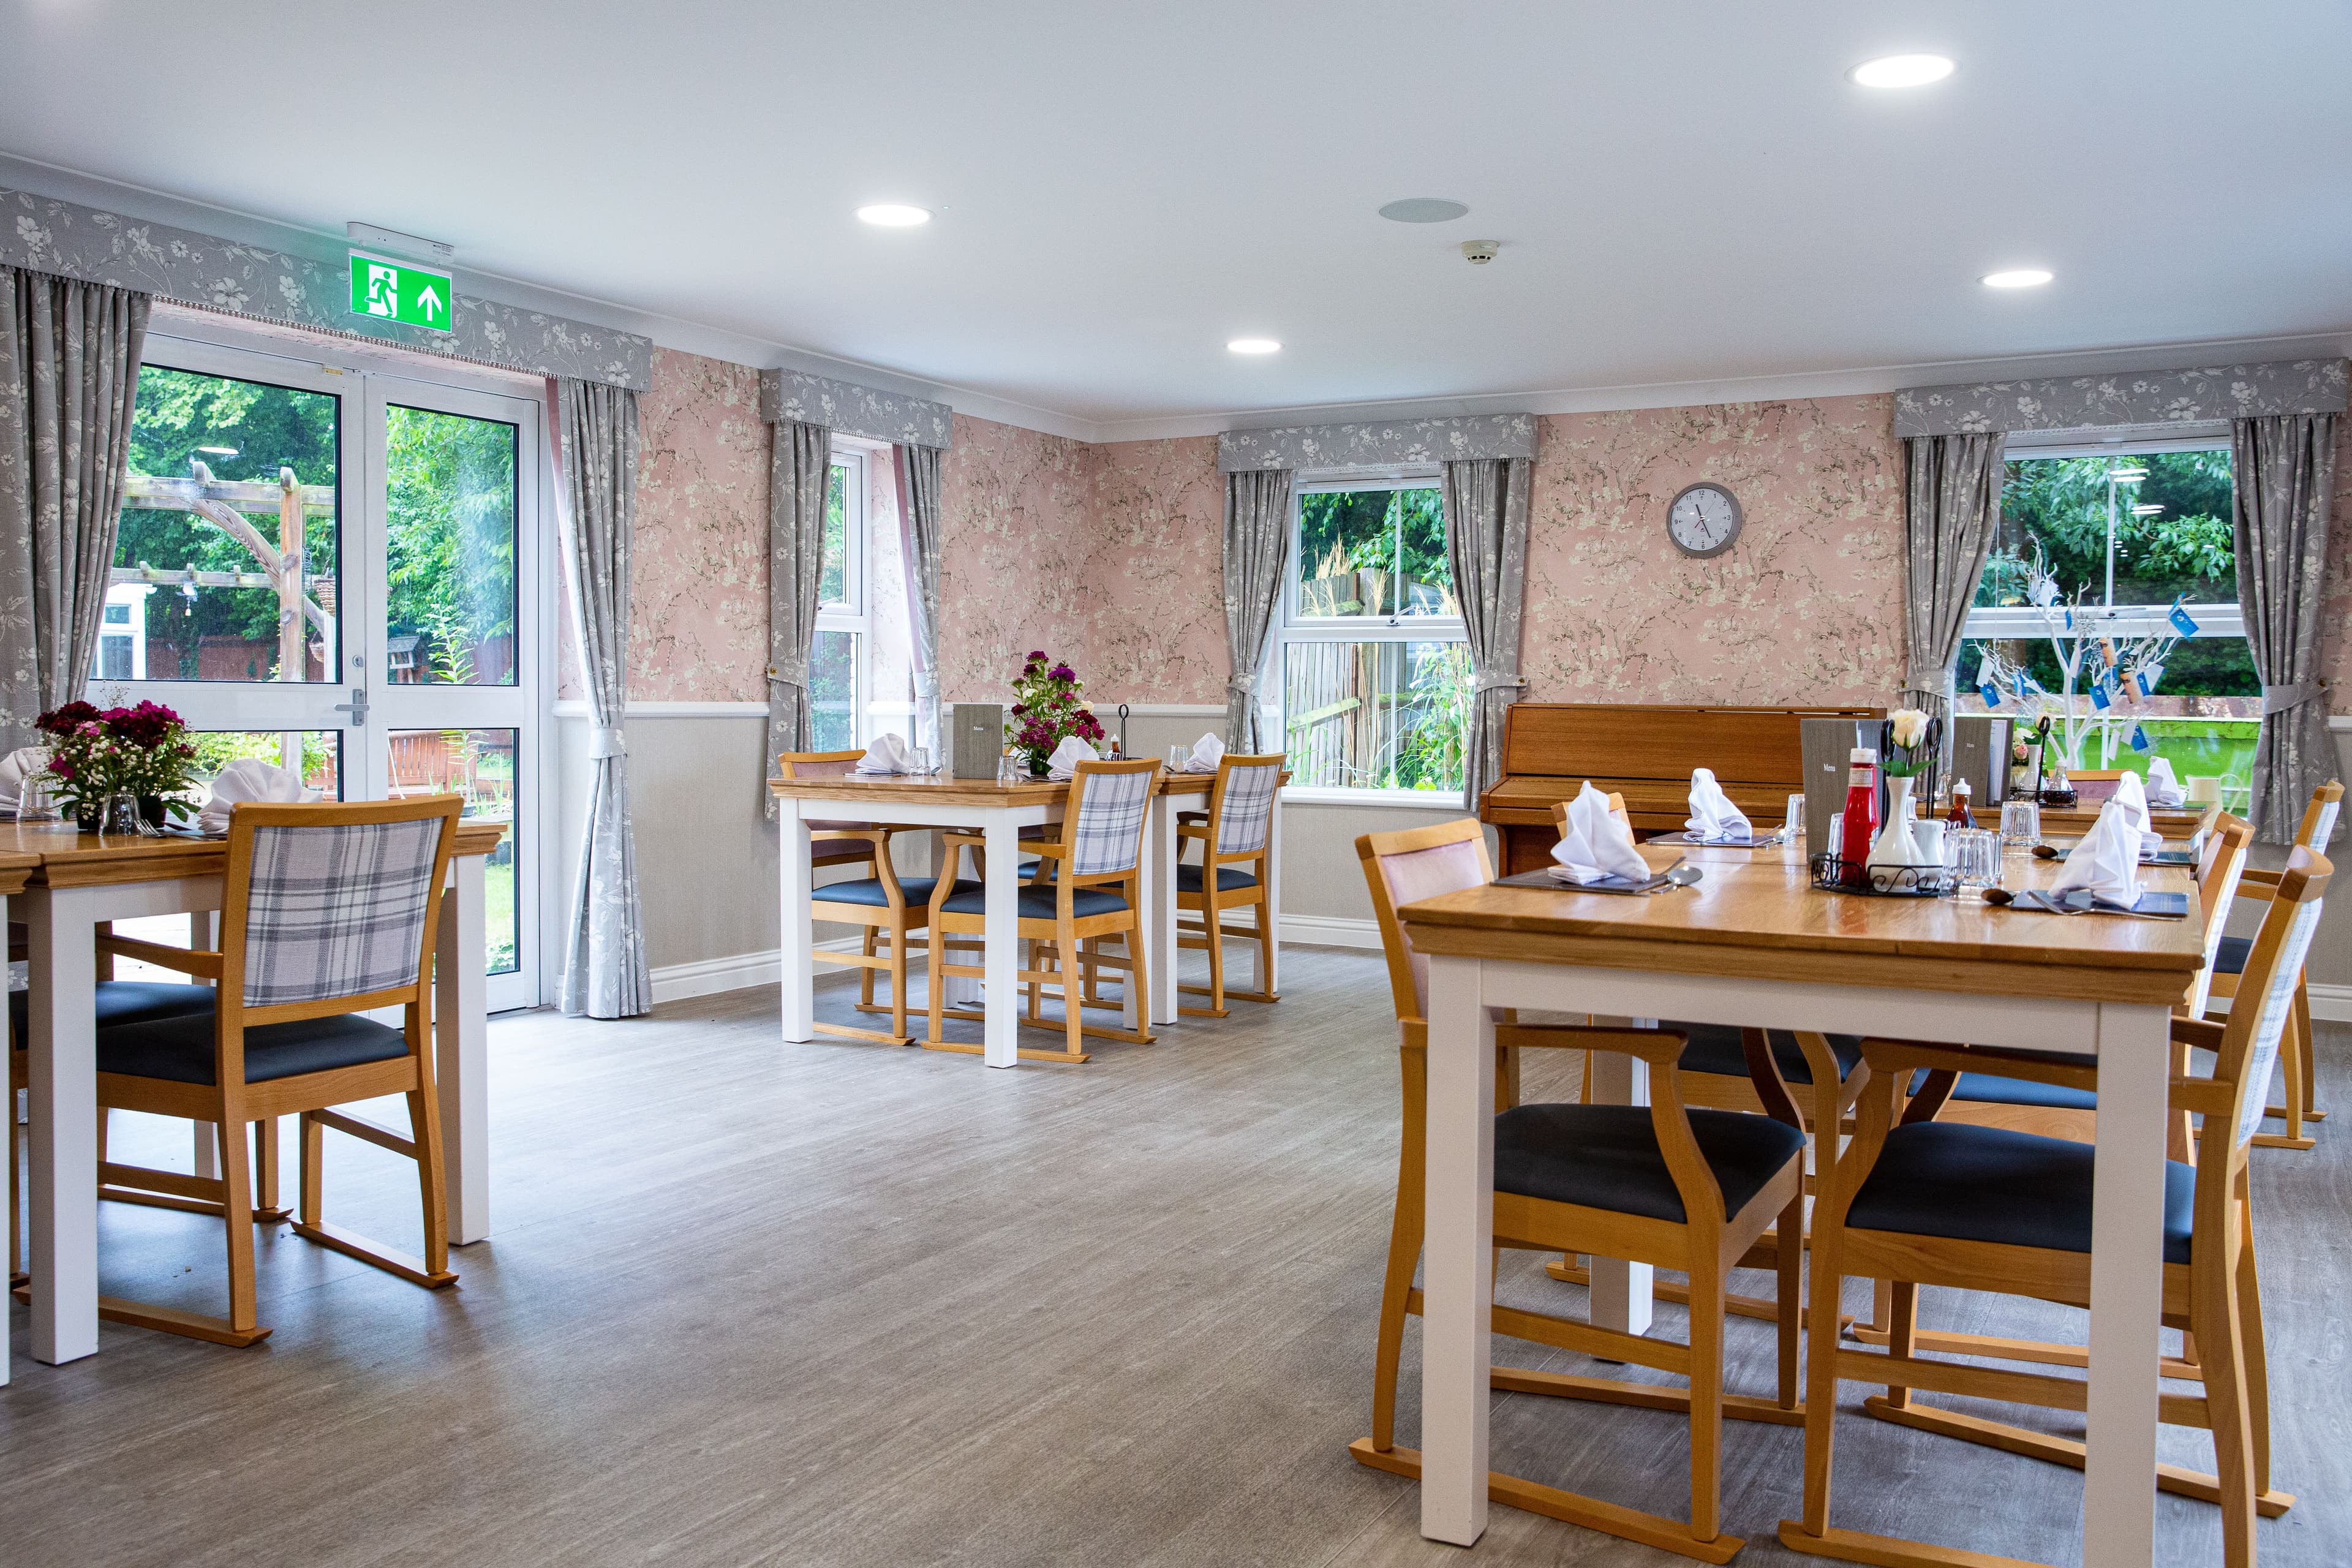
[[841, 1303]]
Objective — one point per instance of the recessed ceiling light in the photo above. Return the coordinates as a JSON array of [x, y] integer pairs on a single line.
[[1423, 209], [892, 215], [1901, 70], [1253, 346], [219, 451], [2016, 277]]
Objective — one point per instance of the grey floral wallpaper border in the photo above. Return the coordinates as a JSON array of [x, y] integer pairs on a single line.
[[1379, 444], [851, 409], [47, 235], [2124, 397]]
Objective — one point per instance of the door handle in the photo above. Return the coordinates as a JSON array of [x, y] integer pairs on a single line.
[[357, 706]]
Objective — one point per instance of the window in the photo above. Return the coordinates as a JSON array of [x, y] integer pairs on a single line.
[[1369, 659], [838, 658], [2115, 541]]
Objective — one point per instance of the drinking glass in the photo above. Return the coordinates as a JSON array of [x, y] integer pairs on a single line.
[[1178, 755], [35, 801], [1008, 770], [2020, 824], [1973, 856], [1794, 825], [919, 762], [1836, 846], [120, 814]]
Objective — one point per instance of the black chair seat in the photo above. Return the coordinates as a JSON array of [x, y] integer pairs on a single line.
[[1188, 879], [2231, 957], [1716, 1048], [1607, 1156], [914, 889], [1989, 1184], [121, 1001], [180, 1050], [1040, 903]]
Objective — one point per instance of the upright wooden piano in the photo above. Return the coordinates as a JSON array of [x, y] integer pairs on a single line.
[[1646, 753]]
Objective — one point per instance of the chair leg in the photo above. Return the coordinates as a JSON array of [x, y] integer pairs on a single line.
[[1902, 1323], [2214, 1313], [1074, 1021], [1706, 1401], [1138, 974], [424, 1131], [237, 1192], [1821, 1386], [265, 1171], [898, 985], [1788, 1290], [1405, 1253], [311, 1173], [2306, 1053], [866, 975], [1267, 934], [1216, 944], [934, 984], [2253, 1355]]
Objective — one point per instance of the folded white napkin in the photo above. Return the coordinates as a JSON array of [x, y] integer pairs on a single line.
[[2163, 789], [2132, 795], [2105, 864], [249, 778], [1596, 844], [888, 755], [1713, 816], [1207, 752], [1064, 763], [13, 767]]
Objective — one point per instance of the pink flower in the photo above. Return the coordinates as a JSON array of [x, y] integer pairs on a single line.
[[1063, 672]]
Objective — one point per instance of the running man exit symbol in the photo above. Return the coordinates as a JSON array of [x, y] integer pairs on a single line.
[[396, 291]]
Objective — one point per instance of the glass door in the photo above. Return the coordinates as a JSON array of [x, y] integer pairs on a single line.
[[454, 654], [334, 570]]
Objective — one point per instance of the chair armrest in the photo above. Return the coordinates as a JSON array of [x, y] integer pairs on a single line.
[[1906, 1057], [2202, 1095], [199, 962], [2197, 1032], [1660, 1047]]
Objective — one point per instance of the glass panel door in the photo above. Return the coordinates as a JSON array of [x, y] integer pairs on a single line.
[[450, 708]]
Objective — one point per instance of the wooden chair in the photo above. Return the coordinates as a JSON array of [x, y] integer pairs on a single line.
[[1070, 901], [2300, 1069], [2057, 1110], [1981, 1208], [883, 904], [1232, 873], [328, 911], [1694, 1190]]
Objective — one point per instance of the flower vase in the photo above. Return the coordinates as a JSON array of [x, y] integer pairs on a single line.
[[1898, 843]]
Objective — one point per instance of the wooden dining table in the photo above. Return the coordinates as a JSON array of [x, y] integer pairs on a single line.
[[1753, 944], [998, 812], [71, 883]]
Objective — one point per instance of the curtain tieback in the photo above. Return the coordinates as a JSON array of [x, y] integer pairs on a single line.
[[926, 686], [1242, 685], [2279, 698], [795, 674], [1491, 678], [1928, 678], [606, 741]]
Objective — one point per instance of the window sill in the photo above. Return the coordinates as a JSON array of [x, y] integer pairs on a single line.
[[1424, 799]]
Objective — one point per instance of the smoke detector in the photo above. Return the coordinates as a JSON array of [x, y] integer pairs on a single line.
[[1478, 252]]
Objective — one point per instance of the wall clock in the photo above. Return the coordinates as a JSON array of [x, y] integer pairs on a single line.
[[1705, 520]]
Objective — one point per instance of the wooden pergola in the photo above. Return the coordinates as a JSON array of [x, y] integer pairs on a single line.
[[224, 504]]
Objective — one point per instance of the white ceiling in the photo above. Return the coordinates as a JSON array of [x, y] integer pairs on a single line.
[[1686, 193]]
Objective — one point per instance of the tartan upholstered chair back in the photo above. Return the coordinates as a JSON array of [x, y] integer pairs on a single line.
[[2250, 1051], [330, 903], [1104, 829], [1244, 806]]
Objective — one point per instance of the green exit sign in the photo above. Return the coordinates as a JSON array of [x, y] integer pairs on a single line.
[[400, 291]]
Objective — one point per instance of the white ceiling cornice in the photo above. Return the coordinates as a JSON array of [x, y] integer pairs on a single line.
[[715, 342]]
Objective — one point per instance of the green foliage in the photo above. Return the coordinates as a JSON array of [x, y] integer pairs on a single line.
[[1401, 533], [449, 499], [1432, 732], [215, 749], [2061, 503]]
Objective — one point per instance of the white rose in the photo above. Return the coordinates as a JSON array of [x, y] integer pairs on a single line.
[[1910, 726]]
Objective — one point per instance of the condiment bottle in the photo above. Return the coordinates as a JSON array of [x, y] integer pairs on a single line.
[[1860, 824], [1961, 816]]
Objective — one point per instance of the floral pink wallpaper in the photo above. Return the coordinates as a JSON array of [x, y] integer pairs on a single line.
[[1809, 607], [698, 589], [1013, 555], [1156, 629]]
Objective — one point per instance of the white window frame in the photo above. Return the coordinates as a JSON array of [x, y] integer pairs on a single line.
[[1290, 627], [853, 612], [2023, 621]]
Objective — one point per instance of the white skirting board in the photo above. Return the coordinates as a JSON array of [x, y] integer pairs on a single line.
[[742, 971], [2332, 1003]]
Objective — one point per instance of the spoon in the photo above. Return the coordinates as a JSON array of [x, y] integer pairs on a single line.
[[1685, 875]]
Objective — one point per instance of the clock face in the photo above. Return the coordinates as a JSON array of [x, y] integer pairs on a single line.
[[1704, 521]]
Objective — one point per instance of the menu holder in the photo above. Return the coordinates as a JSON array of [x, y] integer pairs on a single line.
[[1543, 877], [2166, 856], [2081, 901]]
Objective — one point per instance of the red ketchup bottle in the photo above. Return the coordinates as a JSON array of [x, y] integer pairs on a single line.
[[1860, 824]]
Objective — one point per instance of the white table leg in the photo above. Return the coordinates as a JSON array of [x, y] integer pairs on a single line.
[[1457, 1255], [63, 1191], [2126, 1289], [461, 1041], [1159, 911], [1621, 1290], [1266, 962], [1001, 1008], [797, 880]]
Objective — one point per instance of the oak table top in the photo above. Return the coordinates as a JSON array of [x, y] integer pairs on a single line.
[[57, 855], [1755, 913], [15, 866], [943, 790]]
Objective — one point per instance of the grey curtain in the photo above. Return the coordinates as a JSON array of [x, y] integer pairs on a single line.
[[1258, 546], [605, 970], [2284, 469], [1485, 504], [919, 539], [68, 384], [1950, 515], [800, 466]]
